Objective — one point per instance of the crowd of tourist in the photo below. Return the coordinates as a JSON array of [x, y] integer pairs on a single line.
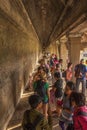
[[69, 101]]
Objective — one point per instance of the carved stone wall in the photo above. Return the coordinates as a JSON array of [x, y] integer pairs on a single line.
[[19, 49]]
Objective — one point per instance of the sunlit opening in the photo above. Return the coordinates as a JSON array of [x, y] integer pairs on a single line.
[[18, 125], [25, 95]]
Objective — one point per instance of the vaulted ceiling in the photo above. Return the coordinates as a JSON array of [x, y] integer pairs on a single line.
[[53, 18]]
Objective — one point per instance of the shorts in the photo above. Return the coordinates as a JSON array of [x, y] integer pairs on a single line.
[[59, 101], [45, 102]]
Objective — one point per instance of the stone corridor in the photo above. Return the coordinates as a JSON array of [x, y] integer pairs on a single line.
[[28, 29]]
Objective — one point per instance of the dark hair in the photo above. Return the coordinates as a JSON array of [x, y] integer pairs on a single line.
[[71, 85], [57, 74], [60, 60], [34, 100], [79, 98], [40, 68], [81, 60], [57, 65], [69, 64]]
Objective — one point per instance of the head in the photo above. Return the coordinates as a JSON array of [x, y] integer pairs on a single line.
[[53, 55], [40, 69], [42, 61], [69, 65], [57, 75], [57, 66], [82, 61], [70, 87], [86, 62], [35, 101], [60, 61], [77, 99]]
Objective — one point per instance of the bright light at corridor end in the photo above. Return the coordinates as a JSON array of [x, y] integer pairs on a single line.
[[27, 94], [15, 126]]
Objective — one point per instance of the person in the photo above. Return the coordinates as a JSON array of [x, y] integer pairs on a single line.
[[86, 72], [57, 87], [78, 102], [40, 71], [55, 60], [80, 74], [41, 87], [65, 118], [61, 64], [43, 65], [52, 60], [69, 72], [34, 114], [57, 69]]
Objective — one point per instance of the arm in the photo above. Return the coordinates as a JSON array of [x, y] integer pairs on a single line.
[[34, 86], [48, 93]]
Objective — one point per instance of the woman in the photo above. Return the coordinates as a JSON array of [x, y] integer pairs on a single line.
[[69, 72]]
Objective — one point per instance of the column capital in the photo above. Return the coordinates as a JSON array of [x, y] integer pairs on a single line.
[[63, 39], [75, 35]]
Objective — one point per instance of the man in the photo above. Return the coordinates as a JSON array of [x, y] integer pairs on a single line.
[[80, 74]]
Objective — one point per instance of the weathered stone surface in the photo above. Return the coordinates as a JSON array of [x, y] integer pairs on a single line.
[[19, 49], [52, 18]]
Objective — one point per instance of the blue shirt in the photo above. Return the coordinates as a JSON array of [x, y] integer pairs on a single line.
[[82, 70]]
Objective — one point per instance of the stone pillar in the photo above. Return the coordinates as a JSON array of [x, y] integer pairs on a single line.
[[63, 51], [75, 45], [53, 48]]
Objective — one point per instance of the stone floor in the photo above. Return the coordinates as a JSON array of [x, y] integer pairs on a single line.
[[15, 122]]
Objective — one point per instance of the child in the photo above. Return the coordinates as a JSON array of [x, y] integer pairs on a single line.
[[58, 90], [77, 100], [41, 87], [33, 117], [66, 115]]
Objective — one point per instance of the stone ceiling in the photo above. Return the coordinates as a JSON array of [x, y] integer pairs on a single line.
[[54, 18]]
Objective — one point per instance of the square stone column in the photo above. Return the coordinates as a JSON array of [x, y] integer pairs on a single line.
[[53, 48], [64, 53], [75, 46]]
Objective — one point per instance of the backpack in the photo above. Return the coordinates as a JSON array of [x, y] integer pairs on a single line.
[[64, 74], [77, 71], [40, 88], [82, 115], [29, 125], [58, 85]]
